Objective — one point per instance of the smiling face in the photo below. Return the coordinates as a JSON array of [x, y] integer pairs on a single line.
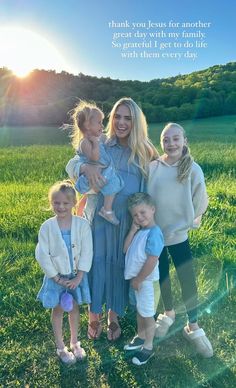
[[95, 126], [122, 124], [172, 143], [62, 205], [143, 215]]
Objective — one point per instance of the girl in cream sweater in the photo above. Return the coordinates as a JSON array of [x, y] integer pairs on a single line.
[[176, 183], [64, 252]]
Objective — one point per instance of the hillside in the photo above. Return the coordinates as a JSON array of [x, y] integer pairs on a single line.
[[45, 97]]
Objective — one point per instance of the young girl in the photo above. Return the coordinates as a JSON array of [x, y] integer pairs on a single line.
[[177, 185], [89, 142], [64, 252]]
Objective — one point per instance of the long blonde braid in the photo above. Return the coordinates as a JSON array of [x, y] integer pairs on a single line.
[[185, 164]]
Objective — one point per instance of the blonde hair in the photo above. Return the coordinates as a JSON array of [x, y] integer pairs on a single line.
[[138, 140], [140, 199], [186, 160], [81, 115], [66, 187]]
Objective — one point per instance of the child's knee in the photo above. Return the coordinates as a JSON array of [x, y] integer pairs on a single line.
[[57, 311], [75, 307]]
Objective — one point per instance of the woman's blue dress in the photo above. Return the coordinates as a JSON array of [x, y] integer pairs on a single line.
[[106, 277]]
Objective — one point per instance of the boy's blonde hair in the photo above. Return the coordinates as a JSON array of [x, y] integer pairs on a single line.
[[186, 160], [81, 115], [141, 146], [138, 199], [66, 187]]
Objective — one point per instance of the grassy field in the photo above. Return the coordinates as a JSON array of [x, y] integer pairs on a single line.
[[27, 352], [17, 136]]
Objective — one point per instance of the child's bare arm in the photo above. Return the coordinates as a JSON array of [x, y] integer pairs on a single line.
[[134, 228], [147, 268], [90, 148]]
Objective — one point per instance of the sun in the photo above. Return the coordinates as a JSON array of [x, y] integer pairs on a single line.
[[22, 51]]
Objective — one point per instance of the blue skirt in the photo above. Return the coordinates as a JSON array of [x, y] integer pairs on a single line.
[[50, 292]]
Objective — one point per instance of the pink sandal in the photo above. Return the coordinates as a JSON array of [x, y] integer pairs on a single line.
[[109, 216], [78, 351], [65, 356]]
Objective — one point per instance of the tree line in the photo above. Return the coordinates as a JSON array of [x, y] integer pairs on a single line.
[[46, 97]]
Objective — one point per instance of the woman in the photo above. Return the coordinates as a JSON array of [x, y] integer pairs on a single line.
[[131, 151]]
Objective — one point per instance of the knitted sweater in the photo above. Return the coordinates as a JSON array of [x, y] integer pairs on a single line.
[[178, 205], [52, 254]]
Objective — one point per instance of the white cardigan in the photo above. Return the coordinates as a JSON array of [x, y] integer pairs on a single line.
[[51, 251]]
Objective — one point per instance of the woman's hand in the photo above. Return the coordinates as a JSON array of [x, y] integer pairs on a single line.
[[94, 176]]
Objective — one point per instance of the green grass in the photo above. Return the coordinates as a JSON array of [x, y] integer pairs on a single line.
[[28, 353], [16, 136]]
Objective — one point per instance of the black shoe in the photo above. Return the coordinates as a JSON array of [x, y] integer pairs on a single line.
[[142, 356], [135, 344]]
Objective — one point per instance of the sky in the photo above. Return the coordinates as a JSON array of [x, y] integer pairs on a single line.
[[78, 36]]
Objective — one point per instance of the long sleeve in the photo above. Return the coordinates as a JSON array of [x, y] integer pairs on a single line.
[[199, 193], [179, 204], [86, 253], [42, 254]]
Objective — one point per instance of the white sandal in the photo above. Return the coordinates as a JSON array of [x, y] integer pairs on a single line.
[[78, 351], [200, 341], [65, 356], [109, 216], [163, 323]]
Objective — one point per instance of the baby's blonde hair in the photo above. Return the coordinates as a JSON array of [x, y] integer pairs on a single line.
[[186, 160], [138, 140], [66, 187], [81, 115]]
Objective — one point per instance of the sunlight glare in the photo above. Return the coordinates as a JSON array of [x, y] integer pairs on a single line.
[[23, 50]]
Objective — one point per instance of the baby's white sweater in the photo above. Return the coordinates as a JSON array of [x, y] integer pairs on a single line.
[[177, 204]]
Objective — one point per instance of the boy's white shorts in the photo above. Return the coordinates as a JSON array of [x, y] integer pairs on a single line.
[[147, 298]]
